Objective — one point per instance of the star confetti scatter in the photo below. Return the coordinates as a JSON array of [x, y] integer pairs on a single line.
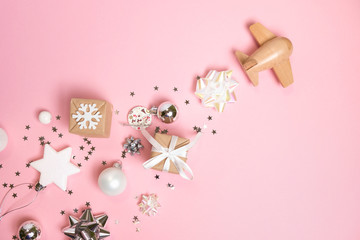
[[17, 173], [81, 148], [187, 102], [171, 186], [54, 129], [27, 127], [165, 131], [30, 186], [62, 212], [157, 129], [25, 138], [58, 117], [157, 176], [85, 139], [92, 148], [156, 88], [79, 165], [88, 142], [87, 204], [149, 204], [11, 186], [104, 163], [86, 158], [175, 89], [70, 192], [60, 135], [1, 166], [136, 220], [14, 237], [213, 132], [14, 195], [5, 185], [210, 118], [76, 210], [132, 94]]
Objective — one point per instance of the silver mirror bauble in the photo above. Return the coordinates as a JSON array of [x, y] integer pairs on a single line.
[[166, 112], [30, 230], [112, 180]]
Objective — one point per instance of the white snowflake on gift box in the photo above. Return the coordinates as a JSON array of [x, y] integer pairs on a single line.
[[87, 113]]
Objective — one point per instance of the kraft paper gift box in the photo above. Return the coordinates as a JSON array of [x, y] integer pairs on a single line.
[[90, 117], [164, 140]]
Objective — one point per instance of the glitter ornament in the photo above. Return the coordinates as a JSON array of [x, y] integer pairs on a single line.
[[139, 117], [133, 146]]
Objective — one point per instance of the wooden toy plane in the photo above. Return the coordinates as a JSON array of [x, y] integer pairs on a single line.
[[274, 52]]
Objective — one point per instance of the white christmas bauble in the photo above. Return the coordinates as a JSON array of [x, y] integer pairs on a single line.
[[112, 181], [45, 117], [3, 139]]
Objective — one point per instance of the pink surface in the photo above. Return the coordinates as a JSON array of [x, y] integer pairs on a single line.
[[284, 163]]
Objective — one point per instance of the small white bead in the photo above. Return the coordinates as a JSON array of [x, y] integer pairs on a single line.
[[45, 117]]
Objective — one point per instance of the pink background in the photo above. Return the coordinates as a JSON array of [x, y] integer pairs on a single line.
[[284, 163]]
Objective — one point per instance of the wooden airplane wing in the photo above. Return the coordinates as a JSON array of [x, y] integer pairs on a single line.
[[284, 73], [261, 33]]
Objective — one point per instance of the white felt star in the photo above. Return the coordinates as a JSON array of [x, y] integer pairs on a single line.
[[55, 167]]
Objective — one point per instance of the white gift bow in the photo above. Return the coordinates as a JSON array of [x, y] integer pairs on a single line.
[[170, 154]]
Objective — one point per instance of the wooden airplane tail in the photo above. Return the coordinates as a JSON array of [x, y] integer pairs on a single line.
[[253, 76]]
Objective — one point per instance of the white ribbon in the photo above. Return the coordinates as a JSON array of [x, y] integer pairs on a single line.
[[170, 154]]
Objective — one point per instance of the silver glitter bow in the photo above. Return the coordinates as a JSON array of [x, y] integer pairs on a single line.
[[87, 227], [133, 145]]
